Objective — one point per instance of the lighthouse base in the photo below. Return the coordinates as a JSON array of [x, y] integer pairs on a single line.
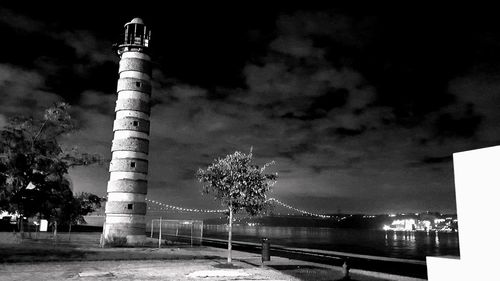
[[119, 235]]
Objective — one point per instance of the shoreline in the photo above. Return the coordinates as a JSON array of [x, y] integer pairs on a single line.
[[391, 266]]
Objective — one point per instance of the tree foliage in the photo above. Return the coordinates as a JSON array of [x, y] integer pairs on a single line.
[[237, 183], [34, 166], [80, 205]]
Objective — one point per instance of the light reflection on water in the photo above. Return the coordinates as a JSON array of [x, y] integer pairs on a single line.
[[411, 245]]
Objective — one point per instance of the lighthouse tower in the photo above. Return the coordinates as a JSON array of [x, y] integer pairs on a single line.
[[128, 170]]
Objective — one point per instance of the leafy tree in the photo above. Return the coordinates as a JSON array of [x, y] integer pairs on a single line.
[[81, 205], [78, 206], [238, 185], [34, 166]]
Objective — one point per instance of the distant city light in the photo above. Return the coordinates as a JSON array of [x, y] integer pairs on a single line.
[[420, 224]]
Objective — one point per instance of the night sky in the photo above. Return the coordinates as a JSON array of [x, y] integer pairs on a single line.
[[360, 107]]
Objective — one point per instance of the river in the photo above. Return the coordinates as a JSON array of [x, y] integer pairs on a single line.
[[408, 245]]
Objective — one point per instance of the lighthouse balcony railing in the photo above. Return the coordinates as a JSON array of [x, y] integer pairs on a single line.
[[137, 41]]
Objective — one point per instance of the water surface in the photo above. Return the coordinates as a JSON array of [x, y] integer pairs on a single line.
[[408, 245]]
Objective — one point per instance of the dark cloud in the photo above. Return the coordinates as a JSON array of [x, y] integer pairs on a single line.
[[347, 132], [293, 150], [432, 162], [23, 91], [463, 124], [98, 102], [70, 61], [437, 160]]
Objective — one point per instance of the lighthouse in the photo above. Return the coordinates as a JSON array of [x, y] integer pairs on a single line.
[[128, 170]]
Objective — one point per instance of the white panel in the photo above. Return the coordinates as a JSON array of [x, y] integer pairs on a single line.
[[126, 196], [126, 175], [443, 269], [123, 134], [135, 74], [115, 218], [133, 95], [137, 55], [129, 154], [131, 113], [477, 188]]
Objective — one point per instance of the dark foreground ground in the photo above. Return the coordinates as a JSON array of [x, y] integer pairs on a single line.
[[82, 259]]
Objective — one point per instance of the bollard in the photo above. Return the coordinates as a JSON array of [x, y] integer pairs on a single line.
[[265, 250], [345, 270]]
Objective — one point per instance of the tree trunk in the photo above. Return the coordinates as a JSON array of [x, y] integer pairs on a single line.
[[29, 229], [21, 226], [55, 231], [37, 229], [69, 230], [230, 235]]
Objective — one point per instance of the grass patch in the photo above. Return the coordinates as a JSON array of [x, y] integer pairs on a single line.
[[33, 252]]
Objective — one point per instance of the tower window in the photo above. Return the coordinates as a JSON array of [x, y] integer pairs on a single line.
[[130, 206], [132, 164], [138, 84], [136, 123]]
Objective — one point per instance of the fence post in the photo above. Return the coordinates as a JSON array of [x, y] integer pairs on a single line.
[[159, 236], [191, 233], [201, 234]]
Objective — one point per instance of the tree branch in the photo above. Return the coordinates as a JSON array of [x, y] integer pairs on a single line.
[[38, 134]]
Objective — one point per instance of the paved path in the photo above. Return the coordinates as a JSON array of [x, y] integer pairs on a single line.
[[27, 262], [139, 270]]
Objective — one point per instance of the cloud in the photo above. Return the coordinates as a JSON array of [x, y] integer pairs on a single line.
[[304, 104], [84, 42], [436, 160], [87, 46], [3, 121], [97, 101], [20, 22], [69, 60], [296, 47], [187, 93], [324, 24], [460, 124], [23, 91], [477, 102]]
